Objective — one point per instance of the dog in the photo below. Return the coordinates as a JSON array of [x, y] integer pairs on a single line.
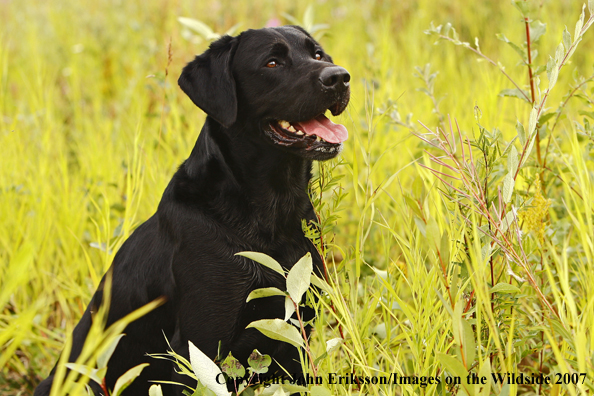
[[243, 188]]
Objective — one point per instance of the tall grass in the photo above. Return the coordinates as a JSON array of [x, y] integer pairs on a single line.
[[92, 126]]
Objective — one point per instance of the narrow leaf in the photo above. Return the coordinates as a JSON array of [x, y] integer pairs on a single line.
[[559, 54], [485, 372], [127, 378], [566, 38], [289, 308], [86, 371], [521, 133], [333, 344], [104, 357], [264, 292], [512, 160], [263, 259], [506, 222], [199, 27], [298, 278], [545, 117], [504, 288], [469, 344], [516, 93], [452, 365], [532, 121], [508, 187], [278, 329], [579, 24]]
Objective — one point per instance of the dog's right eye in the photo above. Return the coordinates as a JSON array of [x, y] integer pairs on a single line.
[[272, 63]]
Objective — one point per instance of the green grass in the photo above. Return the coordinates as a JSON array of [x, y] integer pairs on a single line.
[[92, 127]]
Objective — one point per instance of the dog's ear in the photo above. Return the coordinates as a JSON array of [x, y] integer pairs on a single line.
[[209, 82]]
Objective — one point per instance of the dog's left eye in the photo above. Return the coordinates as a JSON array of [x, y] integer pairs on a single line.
[[318, 55], [272, 63]]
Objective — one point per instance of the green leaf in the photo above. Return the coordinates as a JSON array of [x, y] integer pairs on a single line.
[[504, 390], [566, 39], [104, 357], [278, 329], [587, 113], [433, 234], [333, 344], [298, 279], [545, 117], [537, 29], [259, 363], [444, 250], [86, 371], [289, 308], [206, 371], [516, 93], [263, 259], [264, 292], [504, 288], [320, 283], [508, 187], [591, 6], [532, 121], [485, 371], [521, 133], [127, 378], [452, 365], [523, 6], [155, 390], [516, 48], [308, 18], [232, 367], [469, 344], [199, 27], [232, 30], [512, 160], [320, 390], [413, 205], [551, 75], [559, 54], [457, 322], [579, 25], [507, 222]]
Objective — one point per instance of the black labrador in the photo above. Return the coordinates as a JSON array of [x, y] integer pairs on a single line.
[[243, 188]]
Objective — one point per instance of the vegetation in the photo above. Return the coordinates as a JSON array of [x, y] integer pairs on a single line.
[[457, 227]]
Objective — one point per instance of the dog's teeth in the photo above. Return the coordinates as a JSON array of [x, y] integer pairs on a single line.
[[299, 133], [284, 124], [291, 128], [318, 139]]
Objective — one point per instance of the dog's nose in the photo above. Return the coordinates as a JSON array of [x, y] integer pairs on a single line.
[[334, 76]]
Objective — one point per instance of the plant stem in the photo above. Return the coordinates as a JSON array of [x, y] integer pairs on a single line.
[[307, 349]]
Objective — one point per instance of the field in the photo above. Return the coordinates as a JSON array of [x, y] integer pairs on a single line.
[[486, 272]]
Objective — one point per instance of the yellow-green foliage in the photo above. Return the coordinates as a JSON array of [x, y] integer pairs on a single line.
[[93, 125]]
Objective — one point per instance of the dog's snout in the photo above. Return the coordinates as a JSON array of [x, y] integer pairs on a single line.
[[334, 76]]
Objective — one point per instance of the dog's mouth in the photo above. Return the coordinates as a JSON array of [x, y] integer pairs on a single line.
[[318, 134]]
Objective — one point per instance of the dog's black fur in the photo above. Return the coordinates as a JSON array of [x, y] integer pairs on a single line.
[[243, 188]]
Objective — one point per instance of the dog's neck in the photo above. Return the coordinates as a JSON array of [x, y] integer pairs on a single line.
[[262, 183]]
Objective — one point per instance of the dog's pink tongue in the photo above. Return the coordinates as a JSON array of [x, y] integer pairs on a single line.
[[324, 128]]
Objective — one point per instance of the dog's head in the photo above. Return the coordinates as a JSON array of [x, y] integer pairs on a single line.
[[278, 78]]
